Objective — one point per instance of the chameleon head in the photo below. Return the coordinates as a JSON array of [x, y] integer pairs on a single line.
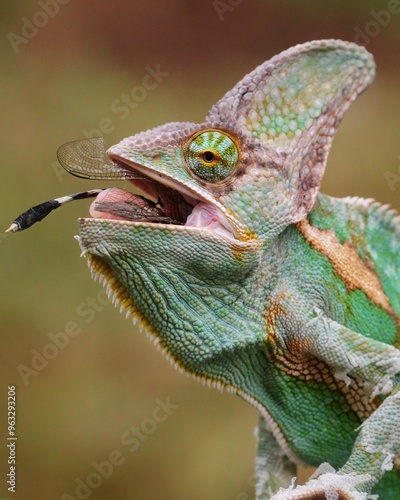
[[226, 188]]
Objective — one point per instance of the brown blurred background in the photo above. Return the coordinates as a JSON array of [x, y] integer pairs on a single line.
[[60, 82]]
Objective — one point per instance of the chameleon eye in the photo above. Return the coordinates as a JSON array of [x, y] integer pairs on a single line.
[[212, 156]]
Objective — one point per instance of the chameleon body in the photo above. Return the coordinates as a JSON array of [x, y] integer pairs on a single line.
[[284, 296]]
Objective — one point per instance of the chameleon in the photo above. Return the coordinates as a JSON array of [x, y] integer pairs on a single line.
[[249, 279]]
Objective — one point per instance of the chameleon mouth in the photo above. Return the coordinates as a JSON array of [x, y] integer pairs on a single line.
[[160, 199]]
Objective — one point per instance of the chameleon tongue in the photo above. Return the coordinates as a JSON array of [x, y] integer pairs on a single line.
[[209, 217]]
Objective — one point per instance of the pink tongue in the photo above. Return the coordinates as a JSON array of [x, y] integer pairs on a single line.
[[203, 215], [207, 216], [114, 195]]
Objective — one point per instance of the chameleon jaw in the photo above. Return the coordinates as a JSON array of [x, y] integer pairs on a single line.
[[163, 200]]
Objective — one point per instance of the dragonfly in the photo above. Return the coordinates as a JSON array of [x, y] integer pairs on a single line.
[[85, 158]]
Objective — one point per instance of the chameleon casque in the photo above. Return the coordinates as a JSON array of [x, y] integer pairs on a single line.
[[250, 279]]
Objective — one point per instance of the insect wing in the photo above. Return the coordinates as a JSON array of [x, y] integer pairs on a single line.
[[86, 159]]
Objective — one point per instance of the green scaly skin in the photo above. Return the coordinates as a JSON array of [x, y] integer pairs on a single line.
[[289, 298]]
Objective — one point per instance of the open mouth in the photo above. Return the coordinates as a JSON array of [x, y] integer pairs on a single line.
[[158, 199]]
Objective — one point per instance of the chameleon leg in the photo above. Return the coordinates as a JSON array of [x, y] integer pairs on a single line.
[[377, 443], [274, 470], [350, 355]]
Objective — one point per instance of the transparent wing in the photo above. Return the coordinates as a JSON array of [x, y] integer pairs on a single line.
[[86, 159]]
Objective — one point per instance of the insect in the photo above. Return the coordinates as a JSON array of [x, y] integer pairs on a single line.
[[85, 159]]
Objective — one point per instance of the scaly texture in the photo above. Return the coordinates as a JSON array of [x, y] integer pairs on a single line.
[[260, 285]]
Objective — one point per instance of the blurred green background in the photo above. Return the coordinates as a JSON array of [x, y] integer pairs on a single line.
[[63, 80]]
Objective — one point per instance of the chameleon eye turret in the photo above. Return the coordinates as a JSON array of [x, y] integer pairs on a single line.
[[212, 156]]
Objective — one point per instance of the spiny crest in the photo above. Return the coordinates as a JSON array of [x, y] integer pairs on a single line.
[[290, 107], [285, 95], [297, 93]]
